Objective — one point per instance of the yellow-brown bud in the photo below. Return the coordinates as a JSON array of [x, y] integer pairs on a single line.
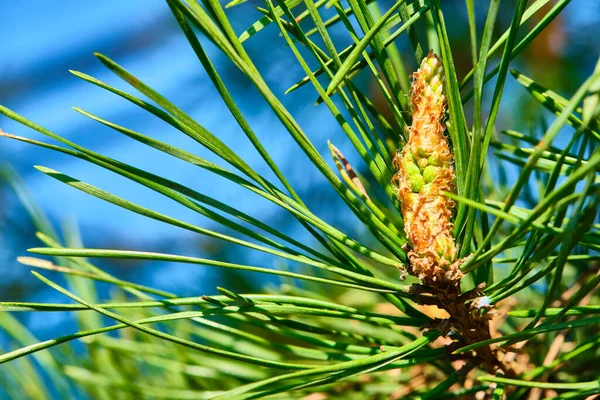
[[425, 168]]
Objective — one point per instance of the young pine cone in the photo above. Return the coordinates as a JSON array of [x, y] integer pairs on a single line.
[[425, 167]]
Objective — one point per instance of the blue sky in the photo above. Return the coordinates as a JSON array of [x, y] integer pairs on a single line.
[[35, 82], [168, 65]]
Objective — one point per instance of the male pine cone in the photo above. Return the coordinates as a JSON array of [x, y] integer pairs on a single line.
[[425, 168]]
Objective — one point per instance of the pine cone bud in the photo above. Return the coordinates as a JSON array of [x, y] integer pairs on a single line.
[[425, 167]]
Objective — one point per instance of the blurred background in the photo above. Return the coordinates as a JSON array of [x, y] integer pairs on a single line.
[[41, 41]]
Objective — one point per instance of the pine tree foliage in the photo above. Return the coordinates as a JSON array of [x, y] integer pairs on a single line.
[[496, 297]]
